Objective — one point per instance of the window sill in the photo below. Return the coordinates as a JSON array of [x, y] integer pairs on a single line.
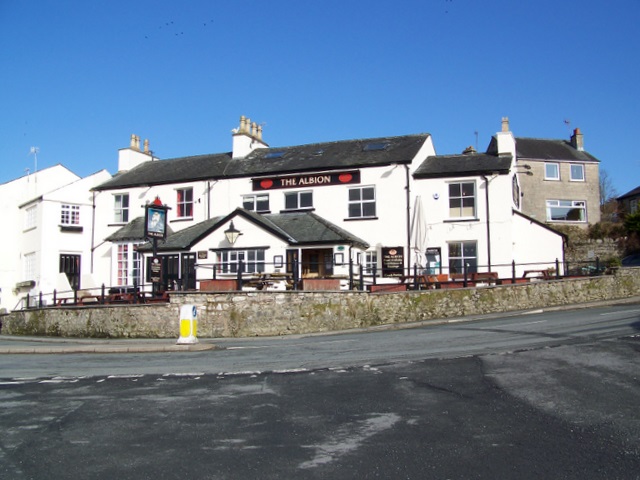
[[567, 222], [461, 220], [354, 219], [71, 228], [293, 210]]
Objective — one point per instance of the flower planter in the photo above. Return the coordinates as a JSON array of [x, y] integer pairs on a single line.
[[222, 285], [321, 284]]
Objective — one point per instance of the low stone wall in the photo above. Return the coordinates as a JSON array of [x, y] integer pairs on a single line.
[[241, 314]]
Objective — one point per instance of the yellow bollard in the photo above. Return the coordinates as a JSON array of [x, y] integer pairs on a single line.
[[188, 325]]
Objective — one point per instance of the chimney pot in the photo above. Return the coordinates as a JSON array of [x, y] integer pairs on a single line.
[[577, 140], [469, 150], [505, 124]]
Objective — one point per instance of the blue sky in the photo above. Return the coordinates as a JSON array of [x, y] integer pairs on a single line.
[[79, 77]]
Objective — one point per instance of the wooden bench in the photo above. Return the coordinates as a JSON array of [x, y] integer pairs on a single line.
[[543, 274]]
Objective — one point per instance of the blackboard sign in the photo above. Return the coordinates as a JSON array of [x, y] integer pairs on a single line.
[[155, 269], [392, 261]]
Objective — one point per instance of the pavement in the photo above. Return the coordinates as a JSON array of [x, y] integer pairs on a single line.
[[19, 344], [13, 344]]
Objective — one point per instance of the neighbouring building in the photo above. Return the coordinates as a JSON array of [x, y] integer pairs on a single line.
[[628, 203], [50, 214], [563, 182]]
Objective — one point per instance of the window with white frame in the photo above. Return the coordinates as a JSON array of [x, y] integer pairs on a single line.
[[128, 265], [370, 262], [184, 202], [577, 172], [461, 254], [70, 214], [566, 211], [298, 200], [256, 203], [462, 200], [362, 202], [252, 261], [30, 217], [121, 208], [552, 171], [29, 266]]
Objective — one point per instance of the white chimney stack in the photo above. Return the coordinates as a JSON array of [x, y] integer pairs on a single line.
[[246, 138]]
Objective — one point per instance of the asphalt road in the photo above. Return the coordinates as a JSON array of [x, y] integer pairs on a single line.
[[549, 395]]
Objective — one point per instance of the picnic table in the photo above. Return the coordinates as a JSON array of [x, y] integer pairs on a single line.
[[544, 274]]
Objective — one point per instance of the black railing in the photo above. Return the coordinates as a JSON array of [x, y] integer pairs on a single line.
[[264, 275]]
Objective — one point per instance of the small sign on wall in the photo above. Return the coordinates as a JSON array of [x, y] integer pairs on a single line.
[[203, 255], [392, 261]]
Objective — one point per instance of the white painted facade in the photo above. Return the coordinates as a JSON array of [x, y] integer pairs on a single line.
[[31, 206], [413, 214], [505, 237]]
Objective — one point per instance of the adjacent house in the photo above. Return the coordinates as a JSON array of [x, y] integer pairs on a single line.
[[629, 202], [563, 185], [50, 213]]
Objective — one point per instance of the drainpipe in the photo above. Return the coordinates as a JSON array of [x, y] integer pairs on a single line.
[[93, 230], [408, 219], [208, 199], [486, 193]]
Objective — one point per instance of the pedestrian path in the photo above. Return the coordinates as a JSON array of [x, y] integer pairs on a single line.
[[11, 344]]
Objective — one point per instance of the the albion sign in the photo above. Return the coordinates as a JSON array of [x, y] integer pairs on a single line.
[[309, 180]]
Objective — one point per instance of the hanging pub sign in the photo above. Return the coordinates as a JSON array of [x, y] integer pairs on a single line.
[[155, 220], [392, 261], [307, 180]]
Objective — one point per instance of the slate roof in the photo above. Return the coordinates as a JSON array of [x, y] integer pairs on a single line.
[[296, 228], [269, 161], [134, 230], [541, 149], [633, 193], [463, 165]]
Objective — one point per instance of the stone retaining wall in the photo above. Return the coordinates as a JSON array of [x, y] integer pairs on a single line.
[[241, 314]]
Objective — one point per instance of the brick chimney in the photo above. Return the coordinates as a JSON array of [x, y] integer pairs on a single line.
[[246, 138], [577, 140]]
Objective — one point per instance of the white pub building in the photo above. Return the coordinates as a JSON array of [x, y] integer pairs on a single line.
[[380, 206]]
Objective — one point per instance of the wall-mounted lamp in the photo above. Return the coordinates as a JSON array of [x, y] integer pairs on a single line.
[[232, 234], [527, 169]]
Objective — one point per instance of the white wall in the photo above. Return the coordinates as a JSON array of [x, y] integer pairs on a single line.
[[14, 195]]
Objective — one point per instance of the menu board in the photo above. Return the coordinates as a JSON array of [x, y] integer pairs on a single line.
[[392, 261], [155, 269]]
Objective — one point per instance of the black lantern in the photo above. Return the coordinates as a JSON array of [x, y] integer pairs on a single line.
[[232, 234]]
